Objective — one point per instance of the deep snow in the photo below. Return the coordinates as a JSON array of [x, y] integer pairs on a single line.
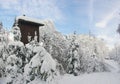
[[94, 78], [112, 77]]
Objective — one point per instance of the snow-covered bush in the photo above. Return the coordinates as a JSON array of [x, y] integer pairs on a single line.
[[90, 55], [32, 49], [18, 49], [56, 47], [93, 52], [29, 50], [14, 64], [15, 60], [55, 43], [91, 64], [16, 32], [41, 66], [115, 53], [2, 68]]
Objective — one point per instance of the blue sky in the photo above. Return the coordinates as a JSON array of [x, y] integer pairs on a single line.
[[101, 17]]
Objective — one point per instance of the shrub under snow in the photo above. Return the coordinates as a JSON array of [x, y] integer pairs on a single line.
[[41, 66]]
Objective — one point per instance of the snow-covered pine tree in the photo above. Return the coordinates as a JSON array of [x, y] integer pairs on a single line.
[[16, 56], [73, 62], [3, 49]]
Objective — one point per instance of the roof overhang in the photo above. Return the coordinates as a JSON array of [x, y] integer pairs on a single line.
[[26, 19]]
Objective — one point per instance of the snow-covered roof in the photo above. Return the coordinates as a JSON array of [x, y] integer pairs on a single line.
[[28, 19]]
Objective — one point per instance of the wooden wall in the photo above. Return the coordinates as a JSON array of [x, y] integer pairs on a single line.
[[28, 28]]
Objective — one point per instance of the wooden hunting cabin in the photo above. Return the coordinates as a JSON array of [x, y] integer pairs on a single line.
[[28, 26]]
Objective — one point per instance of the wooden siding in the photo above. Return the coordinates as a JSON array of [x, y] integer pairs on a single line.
[[27, 28]]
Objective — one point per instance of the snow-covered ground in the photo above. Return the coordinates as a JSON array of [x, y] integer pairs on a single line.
[[94, 78], [112, 77]]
